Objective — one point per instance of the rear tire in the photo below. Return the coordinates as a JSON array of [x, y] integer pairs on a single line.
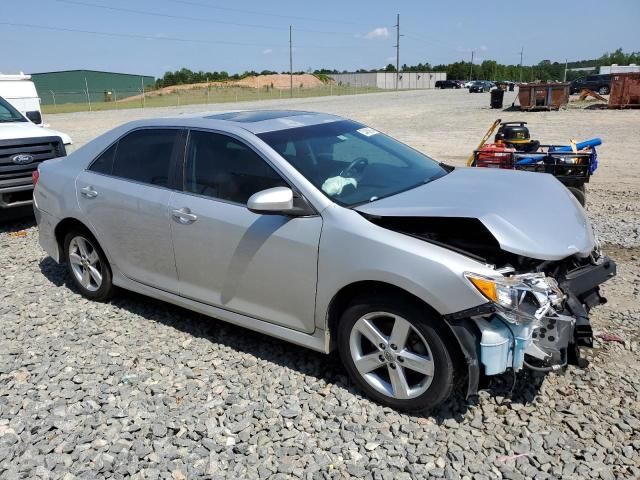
[[88, 265], [396, 352], [580, 194], [604, 90]]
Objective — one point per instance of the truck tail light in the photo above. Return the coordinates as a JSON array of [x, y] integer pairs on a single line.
[[35, 176]]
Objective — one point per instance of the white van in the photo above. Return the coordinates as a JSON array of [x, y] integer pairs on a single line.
[[21, 92]]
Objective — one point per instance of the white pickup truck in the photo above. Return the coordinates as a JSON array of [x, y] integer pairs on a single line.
[[23, 146]]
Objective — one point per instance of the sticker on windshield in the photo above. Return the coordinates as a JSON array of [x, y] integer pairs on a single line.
[[342, 137], [368, 132]]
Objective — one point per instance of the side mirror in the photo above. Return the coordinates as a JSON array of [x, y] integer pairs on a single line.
[[274, 201], [34, 116]]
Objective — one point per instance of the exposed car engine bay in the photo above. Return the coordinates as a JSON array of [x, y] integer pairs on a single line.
[[537, 313]]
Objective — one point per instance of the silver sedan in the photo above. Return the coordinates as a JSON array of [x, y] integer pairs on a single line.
[[330, 234]]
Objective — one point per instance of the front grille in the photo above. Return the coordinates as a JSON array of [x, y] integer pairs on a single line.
[[41, 149]]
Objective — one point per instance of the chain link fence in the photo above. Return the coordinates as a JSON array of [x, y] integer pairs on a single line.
[[113, 99]]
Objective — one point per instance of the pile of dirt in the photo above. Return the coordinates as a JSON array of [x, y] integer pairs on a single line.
[[276, 81], [280, 81]]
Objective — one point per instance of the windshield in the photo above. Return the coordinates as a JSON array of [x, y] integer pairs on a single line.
[[353, 164], [8, 113]]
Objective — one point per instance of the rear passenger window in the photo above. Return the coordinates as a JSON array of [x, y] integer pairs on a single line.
[[145, 156], [104, 163], [221, 167]]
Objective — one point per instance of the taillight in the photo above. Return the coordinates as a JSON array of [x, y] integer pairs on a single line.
[[35, 176]]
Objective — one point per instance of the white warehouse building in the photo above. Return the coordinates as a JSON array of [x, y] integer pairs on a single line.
[[631, 68], [387, 80]]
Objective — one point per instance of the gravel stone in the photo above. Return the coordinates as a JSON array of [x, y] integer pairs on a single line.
[[138, 388]]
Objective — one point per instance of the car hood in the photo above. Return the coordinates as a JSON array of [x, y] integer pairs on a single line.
[[9, 131], [529, 214]]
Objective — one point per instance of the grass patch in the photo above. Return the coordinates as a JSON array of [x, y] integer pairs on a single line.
[[205, 96]]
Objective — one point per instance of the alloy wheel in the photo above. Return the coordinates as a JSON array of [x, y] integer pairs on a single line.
[[85, 263], [391, 355]]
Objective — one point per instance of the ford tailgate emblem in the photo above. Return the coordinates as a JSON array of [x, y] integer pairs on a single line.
[[22, 158]]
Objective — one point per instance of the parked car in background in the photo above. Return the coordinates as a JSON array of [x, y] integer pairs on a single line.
[[23, 146], [504, 84], [479, 86], [329, 234], [21, 92], [596, 83], [447, 84]]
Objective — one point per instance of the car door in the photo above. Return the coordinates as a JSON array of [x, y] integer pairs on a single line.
[[125, 196], [262, 266]]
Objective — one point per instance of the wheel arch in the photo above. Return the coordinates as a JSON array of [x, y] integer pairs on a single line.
[[67, 224], [462, 355], [343, 298], [63, 227], [346, 294], [61, 233]]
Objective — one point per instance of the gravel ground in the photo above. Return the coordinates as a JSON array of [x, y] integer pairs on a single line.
[[140, 388]]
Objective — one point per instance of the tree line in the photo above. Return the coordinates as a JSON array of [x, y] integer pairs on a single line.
[[543, 71], [462, 70], [184, 76]]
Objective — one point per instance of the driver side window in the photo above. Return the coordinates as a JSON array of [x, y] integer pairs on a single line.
[[222, 167]]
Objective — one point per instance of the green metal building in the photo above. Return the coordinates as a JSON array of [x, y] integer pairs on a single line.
[[82, 86]]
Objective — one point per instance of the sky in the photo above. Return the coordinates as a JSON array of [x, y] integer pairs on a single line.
[[153, 36]]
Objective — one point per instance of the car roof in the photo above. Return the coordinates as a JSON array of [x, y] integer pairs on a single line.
[[255, 121]]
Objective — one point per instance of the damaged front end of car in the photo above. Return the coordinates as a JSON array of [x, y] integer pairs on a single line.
[[537, 311], [540, 318]]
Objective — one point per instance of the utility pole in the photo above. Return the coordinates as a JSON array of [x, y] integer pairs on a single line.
[[397, 45], [144, 100], [521, 54], [471, 68], [86, 86], [564, 78], [290, 64]]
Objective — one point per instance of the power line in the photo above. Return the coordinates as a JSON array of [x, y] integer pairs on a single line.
[[420, 55], [195, 19], [430, 41], [134, 35], [175, 39], [253, 12]]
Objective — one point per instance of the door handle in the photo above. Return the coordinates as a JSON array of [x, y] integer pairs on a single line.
[[89, 192], [184, 215]]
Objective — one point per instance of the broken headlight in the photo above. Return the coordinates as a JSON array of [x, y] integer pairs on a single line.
[[521, 297]]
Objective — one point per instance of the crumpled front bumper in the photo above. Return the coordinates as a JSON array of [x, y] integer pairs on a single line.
[[492, 345], [559, 336]]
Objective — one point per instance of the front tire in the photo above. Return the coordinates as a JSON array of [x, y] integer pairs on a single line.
[[395, 351], [88, 265], [604, 90]]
